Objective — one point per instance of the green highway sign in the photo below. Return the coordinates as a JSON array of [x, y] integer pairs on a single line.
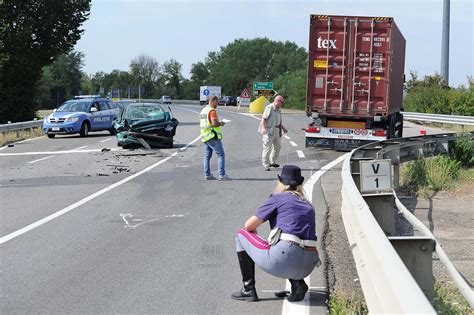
[[263, 85]]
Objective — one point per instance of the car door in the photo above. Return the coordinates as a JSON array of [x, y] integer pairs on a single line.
[[106, 114], [96, 117]]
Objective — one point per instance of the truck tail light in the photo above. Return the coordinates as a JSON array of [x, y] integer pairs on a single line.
[[313, 129], [379, 133]]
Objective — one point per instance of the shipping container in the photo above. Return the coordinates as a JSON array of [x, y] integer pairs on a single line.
[[355, 78]]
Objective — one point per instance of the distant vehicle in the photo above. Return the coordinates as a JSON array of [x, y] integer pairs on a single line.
[[355, 81], [145, 124], [206, 92], [228, 100], [165, 99], [81, 115]]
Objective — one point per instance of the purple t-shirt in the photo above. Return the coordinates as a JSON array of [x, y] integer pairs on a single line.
[[290, 213]]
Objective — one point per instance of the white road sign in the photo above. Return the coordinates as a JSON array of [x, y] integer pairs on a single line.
[[375, 175]]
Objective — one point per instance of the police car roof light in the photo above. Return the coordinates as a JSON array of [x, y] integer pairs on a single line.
[[86, 96]]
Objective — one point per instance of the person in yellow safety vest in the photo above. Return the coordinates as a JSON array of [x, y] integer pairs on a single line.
[[211, 136]]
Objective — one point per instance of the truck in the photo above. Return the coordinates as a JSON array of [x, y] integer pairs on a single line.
[[207, 91], [355, 81]]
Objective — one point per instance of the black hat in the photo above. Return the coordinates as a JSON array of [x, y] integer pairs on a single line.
[[291, 175]]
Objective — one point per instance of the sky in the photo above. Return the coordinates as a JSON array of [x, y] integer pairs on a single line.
[[118, 31]]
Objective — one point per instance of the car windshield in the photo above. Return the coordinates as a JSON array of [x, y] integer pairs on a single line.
[[142, 112], [73, 106]]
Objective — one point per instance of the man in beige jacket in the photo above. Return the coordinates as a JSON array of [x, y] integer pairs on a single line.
[[271, 127]]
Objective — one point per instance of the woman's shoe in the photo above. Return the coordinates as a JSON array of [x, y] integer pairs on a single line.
[[300, 290]]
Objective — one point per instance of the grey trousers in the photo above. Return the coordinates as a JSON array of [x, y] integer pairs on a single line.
[[284, 260], [271, 149]]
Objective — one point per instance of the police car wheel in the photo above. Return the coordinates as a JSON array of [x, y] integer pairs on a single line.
[[112, 131], [84, 129], [51, 136]]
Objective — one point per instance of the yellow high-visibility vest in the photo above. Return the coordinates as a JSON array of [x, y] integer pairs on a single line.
[[206, 126]]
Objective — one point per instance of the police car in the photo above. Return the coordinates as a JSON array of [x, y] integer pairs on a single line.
[[81, 115]]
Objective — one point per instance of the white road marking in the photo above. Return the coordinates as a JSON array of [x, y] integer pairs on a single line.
[[286, 137], [300, 154], [57, 152], [293, 143], [79, 148], [53, 216], [106, 140], [48, 157], [302, 307], [128, 215]]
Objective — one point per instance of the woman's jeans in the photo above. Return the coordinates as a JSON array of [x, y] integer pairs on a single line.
[[216, 146]]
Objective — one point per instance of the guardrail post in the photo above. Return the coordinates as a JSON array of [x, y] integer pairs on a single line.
[[382, 206], [416, 254]]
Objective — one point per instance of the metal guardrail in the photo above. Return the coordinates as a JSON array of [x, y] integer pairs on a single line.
[[388, 266], [21, 125], [444, 119]]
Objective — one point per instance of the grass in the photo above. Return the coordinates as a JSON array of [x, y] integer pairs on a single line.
[[43, 112], [430, 175], [449, 301], [342, 303], [12, 136]]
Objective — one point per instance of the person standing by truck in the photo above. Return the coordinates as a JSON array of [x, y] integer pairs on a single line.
[[271, 127], [211, 136]]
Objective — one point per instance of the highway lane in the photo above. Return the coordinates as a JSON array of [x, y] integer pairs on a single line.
[[162, 242]]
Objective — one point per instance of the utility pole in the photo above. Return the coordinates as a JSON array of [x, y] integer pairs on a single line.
[[445, 43]]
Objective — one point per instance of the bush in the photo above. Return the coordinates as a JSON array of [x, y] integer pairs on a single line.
[[462, 151], [433, 174]]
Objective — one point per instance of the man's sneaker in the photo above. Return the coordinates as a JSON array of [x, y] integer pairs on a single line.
[[224, 177], [210, 177], [275, 165], [267, 168]]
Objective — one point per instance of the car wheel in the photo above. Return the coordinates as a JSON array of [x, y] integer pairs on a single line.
[[84, 129], [51, 136], [112, 131]]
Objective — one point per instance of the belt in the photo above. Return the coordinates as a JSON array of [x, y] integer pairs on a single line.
[[296, 239], [306, 248]]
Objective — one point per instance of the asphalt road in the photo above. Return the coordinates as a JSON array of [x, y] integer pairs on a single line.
[[90, 230]]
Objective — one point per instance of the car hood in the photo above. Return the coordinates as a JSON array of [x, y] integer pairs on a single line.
[[64, 114]]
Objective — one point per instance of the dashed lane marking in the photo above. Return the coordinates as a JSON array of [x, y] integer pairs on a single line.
[[286, 137], [106, 140], [45, 158], [293, 143], [300, 154], [76, 149], [53, 216]]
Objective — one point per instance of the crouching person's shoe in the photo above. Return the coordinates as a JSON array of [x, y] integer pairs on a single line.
[[249, 295]]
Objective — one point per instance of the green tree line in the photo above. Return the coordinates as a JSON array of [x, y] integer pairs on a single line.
[[432, 95]]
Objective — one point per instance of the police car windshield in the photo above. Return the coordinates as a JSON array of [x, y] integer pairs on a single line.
[[74, 106], [143, 112]]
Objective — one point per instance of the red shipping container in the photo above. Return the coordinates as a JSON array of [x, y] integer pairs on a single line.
[[356, 67]]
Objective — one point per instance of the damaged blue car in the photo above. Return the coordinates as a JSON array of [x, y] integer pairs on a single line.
[[145, 125]]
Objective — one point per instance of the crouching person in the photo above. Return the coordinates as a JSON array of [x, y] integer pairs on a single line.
[[291, 251]]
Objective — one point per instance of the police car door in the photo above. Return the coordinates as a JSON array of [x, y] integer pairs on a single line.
[[105, 114], [96, 117]]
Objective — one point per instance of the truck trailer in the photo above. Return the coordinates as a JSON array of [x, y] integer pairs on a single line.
[[355, 81], [207, 91]]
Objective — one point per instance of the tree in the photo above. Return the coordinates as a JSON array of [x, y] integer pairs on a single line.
[[146, 72], [172, 78], [243, 61], [33, 33]]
